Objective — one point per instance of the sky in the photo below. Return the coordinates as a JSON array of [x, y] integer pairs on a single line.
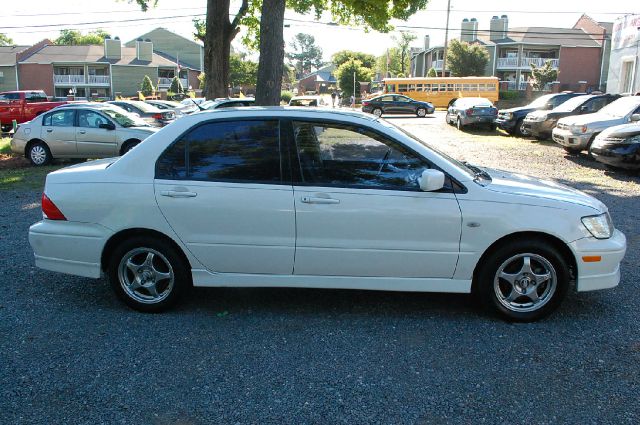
[[29, 21]]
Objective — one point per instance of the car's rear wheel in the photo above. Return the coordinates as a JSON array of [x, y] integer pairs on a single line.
[[39, 153], [421, 112], [128, 145], [459, 125], [377, 112], [147, 274], [523, 281]]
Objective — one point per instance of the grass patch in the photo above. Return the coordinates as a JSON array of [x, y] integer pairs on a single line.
[[25, 178], [5, 145]]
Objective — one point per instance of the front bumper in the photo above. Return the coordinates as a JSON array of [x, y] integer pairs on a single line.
[[539, 128], [601, 274], [569, 140], [69, 247], [505, 124], [621, 155]]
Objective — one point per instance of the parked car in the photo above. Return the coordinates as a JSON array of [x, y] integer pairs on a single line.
[[475, 111], [170, 105], [226, 103], [190, 101], [619, 146], [96, 130], [540, 124], [306, 101], [396, 104], [152, 115], [288, 197], [23, 106], [512, 120], [576, 133]]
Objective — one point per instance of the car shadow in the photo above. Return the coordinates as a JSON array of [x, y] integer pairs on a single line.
[[397, 117], [619, 174]]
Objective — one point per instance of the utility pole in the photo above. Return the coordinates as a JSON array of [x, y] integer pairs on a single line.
[[446, 39]]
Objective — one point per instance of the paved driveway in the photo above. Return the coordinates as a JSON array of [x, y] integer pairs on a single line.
[[70, 353]]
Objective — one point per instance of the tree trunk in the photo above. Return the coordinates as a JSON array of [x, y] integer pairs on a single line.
[[217, 46], [271, 53]]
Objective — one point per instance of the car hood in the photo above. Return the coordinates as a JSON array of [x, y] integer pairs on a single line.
[[622, 131], [521, 109], [519, 184], [595, 119]]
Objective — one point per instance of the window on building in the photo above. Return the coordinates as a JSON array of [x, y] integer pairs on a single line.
[[626, 75]]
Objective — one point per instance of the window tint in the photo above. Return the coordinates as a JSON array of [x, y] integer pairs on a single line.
[[60, 119], [244, 151], [10, 96], [338, 155], [90, 119]]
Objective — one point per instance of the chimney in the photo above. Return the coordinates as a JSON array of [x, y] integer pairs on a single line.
[[112, 48], [499, 28], [426, 42], [144, 50], [469, 30]]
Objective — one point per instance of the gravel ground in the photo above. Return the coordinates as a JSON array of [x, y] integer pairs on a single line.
[[70, 353]]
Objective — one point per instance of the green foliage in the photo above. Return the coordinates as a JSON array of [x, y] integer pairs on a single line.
[[509, 95], [176, 86], [200, 26], [242, 71], [368, 61], [432, 72], [286, 96], [543, 75], [395, 65], [402, 44], [465, 60], [288, 76], [5, 40], [146, 87], [344, 75], [144, 4], [76, 38], [306, 54], [201, 78]]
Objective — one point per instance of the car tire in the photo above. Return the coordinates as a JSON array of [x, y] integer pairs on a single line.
[[128, 145], [589, 154], [459, 125], [540, 138], [511, 281], [39, 154], [518, 130], [421, 112], [148, 274], [377, 112]]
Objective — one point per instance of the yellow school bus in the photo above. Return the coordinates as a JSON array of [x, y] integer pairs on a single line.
[[441, 91]]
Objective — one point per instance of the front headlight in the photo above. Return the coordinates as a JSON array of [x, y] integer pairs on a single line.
[[539, 118], [600, 226], [579, 129]]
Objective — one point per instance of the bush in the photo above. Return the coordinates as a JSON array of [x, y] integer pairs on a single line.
[[147, 88], [176, 85], [286, 96], [509, 95]]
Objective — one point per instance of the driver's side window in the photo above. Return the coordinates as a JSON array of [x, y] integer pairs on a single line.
[[348, 156], [90, 119]]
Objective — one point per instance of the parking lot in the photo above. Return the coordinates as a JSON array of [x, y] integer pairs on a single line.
[[71, 353]]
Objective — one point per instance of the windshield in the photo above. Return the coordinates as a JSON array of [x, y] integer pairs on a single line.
[[621, 107], [125, 119], [541, 101], [571, 104]]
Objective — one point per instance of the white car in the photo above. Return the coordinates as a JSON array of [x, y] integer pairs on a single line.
[[80, 130], [295, 197]]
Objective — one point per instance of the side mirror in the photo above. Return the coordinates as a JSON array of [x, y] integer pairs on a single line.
[[108, 126], [431, 180], [635, 118]]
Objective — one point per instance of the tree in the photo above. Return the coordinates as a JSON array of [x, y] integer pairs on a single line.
[[390, 64], [464, 59], [368, 61], [242, 71], [306, 54], [432, 72], [270, 68], [176, 86], [5, 40], [147, 88], [76, 38], [543, 75], [403, 47], [344, 75]]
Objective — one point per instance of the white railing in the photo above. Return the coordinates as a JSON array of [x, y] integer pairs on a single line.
[[99, 79], [68, 79], [525, 62], [438, 64], [507, 63], [162, 81], [515, 85]]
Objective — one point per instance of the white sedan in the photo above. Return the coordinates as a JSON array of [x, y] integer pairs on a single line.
[[291, 197]]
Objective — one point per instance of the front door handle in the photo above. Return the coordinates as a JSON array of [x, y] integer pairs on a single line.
[[316, 200], [49, 130], [178, 194], [82, 132]]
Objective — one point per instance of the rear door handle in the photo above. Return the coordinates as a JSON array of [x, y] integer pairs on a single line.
[[315, 200], [82, 132], [178, 194], [49, 130]]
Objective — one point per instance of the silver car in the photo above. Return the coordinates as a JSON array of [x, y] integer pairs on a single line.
[[87, 130]]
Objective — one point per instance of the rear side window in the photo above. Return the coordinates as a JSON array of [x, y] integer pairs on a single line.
[[235, 151], [62, 118]]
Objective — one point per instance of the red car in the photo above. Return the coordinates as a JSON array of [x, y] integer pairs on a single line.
[[23, 106]]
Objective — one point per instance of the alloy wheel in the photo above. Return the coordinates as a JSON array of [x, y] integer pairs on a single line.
[[38, 155], [146, 275]]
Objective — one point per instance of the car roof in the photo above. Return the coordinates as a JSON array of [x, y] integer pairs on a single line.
[[282, 111]]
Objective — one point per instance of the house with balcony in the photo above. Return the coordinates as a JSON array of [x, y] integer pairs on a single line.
[[8, 67], [574, 52], [96, 71]]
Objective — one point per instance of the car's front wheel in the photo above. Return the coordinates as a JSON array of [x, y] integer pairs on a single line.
[[147, 274], [523, 281], [421, 112], [459, 125], [39, 153]]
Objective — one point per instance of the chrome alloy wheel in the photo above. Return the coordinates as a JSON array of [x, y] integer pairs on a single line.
[[422, 112], [377, 112], [146, 275], [38, 154], [525, 282]]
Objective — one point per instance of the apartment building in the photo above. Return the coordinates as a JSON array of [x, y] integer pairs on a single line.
[[624, 63]]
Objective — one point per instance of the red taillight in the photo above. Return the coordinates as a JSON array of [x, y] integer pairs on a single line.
[[49, 209], [157, 116], [365, 103], [469, 112]]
